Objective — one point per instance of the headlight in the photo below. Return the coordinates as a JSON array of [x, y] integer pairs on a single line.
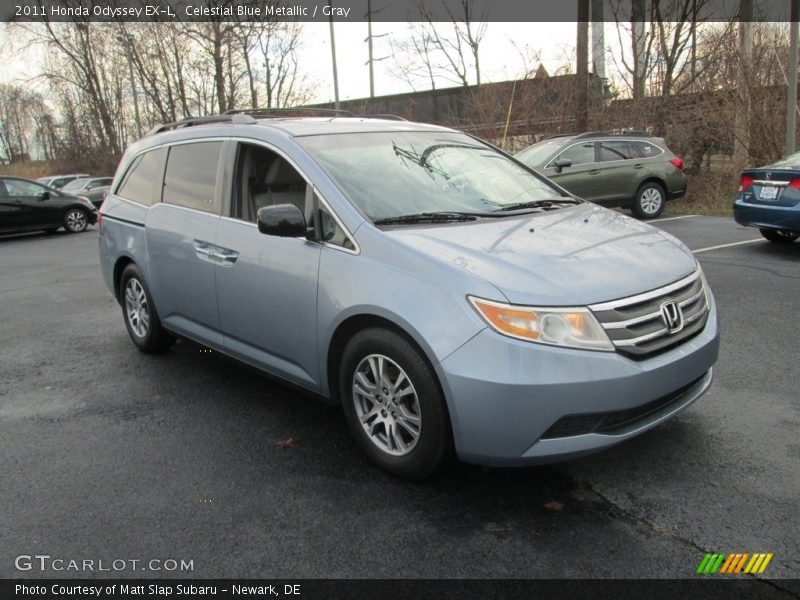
[[706, 289], [570, 327]]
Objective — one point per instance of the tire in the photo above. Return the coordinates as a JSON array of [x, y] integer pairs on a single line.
[[649, 201], [779, 236], [415, 411], [76, 220], [139, 313]]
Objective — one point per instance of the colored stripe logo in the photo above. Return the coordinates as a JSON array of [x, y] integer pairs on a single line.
[[742, 562]]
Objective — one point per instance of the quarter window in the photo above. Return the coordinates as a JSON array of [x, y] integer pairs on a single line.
[[137, 185], [191, 175], [647, 150]]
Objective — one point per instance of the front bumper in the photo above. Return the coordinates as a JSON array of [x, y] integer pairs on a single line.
[[504, 394], [766, 216]]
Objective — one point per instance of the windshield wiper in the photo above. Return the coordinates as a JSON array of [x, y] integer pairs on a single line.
[[549, 203], [429, 217]]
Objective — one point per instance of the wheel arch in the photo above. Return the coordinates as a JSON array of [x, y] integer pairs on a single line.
[[351, 325], [119, 266]]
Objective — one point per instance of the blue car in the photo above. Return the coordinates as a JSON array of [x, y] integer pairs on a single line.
[[447, 297], [769, 198]]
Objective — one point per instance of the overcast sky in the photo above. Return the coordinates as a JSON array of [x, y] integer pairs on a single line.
[[500, 58]]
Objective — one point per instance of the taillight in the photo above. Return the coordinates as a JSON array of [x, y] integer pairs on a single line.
[[745, 183], [677, 162], [99, 220], [795, 183]]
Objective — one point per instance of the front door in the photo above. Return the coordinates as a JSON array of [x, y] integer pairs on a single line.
[[267, 285], [582, 177]]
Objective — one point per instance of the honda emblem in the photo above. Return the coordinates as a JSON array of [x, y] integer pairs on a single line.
[[672, 315]]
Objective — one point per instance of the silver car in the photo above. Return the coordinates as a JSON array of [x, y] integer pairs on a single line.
[[447, 297]]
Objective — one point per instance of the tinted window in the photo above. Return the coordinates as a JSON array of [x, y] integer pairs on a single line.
[[647, 150], [615, 151], [138, 183], [191, 175], [579, 154], [17, 187]]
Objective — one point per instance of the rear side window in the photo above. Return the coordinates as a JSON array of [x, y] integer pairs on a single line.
[[616, 151], [191, 175], [138, 183]]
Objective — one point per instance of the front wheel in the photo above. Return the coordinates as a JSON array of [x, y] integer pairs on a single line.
[[141, 318], [393, 404], [780, 236], [76, 220], [649, 201]]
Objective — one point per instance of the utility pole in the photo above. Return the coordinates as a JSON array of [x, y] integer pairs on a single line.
[[126, 39], [582, 68], [741, 126], [791, 96], [369, 38], [333, 59]]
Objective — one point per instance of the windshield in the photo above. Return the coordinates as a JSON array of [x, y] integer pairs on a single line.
[[538, 154], [390, 174], [78, 184]]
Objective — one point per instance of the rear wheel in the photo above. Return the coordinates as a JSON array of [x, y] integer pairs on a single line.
[[780, 236], [76, 220], [649, 201], [393, 404], [141, 318]]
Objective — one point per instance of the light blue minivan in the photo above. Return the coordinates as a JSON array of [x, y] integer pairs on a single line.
[[449, 298]]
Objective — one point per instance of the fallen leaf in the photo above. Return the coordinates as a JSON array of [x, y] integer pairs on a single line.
[[554, 505], [288, 443]]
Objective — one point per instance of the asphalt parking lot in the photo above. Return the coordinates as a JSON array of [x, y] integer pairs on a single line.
[[111, 454]]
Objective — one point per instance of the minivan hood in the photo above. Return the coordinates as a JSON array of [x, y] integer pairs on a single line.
[[573, 256]]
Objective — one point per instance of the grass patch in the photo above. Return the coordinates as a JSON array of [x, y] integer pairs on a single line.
[[707, 194]]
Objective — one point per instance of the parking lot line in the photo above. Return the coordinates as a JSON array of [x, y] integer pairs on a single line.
[[673, 218], [698, 251]]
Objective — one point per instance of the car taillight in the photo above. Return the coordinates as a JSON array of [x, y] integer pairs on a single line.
[[745, 183], [795, 183], [677, 162]]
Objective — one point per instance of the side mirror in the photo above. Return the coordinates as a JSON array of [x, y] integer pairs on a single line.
[[283, 220], [561, 163], [45, 195]]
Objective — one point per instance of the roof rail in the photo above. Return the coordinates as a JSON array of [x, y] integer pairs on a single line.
[[191, 121], [267, 111], [387, 116], [628, 132]]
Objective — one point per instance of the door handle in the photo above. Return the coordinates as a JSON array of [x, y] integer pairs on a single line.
[[594, 171], [638, 166], [227, 256], [204, 251]]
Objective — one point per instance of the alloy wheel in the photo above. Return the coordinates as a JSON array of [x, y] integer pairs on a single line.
[[650, 201], [76, 221], [136, 308], [387, 405]]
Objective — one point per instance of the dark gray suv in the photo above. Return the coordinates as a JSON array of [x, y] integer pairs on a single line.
[[629, 169]]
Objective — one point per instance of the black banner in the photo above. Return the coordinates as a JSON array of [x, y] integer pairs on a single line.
[[716, 588], [375, 10]]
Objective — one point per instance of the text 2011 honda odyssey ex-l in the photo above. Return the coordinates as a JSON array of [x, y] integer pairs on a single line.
[[448, 297]]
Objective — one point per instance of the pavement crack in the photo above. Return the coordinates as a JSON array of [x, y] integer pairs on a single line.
[[618, 512]]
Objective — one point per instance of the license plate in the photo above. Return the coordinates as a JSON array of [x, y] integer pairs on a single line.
[[768, 193]]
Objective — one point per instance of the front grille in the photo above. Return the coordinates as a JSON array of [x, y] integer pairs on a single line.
[[613, 421], [637, 327]]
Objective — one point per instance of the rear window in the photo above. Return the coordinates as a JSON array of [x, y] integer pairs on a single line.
[[139, 180], [617, 150], [191, 175]]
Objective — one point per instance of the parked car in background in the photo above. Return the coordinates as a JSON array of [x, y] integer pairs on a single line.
[[29, 206], [629, 169], [59, 181], [769, 198], [93, 188], [442, 294]]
